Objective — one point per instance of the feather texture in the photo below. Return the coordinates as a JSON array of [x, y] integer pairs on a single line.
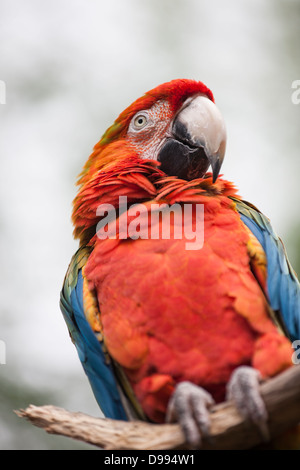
[[283, 284]]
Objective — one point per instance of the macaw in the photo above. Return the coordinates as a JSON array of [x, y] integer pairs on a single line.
[[165, 329]]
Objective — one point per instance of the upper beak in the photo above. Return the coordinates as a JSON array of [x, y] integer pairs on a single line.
[[198, 140]]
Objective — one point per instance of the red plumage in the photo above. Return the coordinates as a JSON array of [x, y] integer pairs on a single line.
[[169, 314]]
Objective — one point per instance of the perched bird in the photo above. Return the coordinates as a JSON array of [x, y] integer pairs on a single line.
[[180, 294]]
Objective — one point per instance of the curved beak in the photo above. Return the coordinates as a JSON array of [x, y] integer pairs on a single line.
[[198, 140]]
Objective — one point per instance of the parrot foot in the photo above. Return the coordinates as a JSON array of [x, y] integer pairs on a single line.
[[189, 406], [243, 390]]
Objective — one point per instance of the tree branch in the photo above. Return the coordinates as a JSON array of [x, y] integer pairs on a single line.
[[228, 429]]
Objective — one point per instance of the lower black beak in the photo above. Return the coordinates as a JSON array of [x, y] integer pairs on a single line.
[[179, 159]]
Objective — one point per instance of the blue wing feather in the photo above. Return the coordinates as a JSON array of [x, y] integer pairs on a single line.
[[100, 373], [282, 282]]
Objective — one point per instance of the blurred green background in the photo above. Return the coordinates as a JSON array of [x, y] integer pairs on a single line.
[[70, 68]]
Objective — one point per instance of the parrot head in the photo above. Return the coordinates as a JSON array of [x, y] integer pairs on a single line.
[[183, 130], [177, 124], [174, 130]]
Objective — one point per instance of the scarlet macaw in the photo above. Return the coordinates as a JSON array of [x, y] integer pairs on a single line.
[[163, 331]]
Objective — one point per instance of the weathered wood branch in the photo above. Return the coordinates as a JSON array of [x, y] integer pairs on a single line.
[[228, 429]]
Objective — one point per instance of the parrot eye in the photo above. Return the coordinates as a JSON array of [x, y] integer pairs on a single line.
[[140, 121]]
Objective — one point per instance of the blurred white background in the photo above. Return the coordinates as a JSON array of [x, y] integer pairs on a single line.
[[70, 68]]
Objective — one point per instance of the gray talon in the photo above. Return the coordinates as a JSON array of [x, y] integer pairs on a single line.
[[189, 406], [243, 390]]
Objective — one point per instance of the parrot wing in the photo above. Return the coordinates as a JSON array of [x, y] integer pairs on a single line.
[[104, 376], [282, 283]]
